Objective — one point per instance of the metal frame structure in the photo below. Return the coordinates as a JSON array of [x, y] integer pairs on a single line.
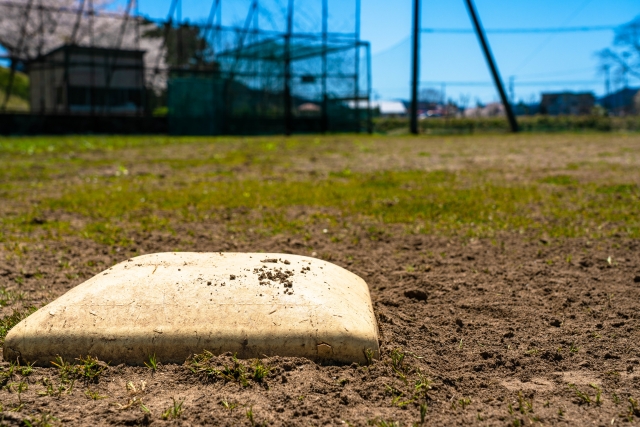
[[256, 80]]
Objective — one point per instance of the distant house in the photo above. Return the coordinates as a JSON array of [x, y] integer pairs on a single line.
[[522, 109], [493, 109], [621, 102], [82, 80], [568, 103], [390, 108], [383, 108]]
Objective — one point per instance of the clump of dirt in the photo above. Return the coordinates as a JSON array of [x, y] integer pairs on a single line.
[[503, 331], [270, 276]]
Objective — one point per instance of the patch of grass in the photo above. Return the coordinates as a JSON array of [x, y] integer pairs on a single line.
[[229, 406], [398, 364], [470, 202], [235, 372], [598, 398], [52, 390], [397, 360], [583, 397], [44, 420], [206, 364], [633, 409], [8, 297], [379, 422], [400, 402], [174, 411], [6, 374], [618, 189], [12, 320], [94, 395], [464, 402], [152, 363], [260, 371], [25, 370], [90, 368], [67, 373], [20, 86], [250, 416], [559, 180], [524, 406], [423, 412], [422, 385], [369, 354], [201, 364]]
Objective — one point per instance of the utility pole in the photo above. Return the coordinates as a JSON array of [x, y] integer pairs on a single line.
[[512, 89], [607, 81], [492, 65], [415, 67]]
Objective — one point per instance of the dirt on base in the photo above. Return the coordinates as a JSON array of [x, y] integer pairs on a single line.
[[508, 331]]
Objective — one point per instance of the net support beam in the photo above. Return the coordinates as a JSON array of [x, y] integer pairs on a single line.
[[513, 124]]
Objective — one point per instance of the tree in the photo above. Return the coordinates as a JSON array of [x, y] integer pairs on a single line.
[[431, 96], [623, 58], [29, 28], [185, 46]]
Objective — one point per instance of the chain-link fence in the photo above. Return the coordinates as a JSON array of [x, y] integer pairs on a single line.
[[213, 77]]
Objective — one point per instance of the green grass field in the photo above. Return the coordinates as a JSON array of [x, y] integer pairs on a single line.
[[465, 186]]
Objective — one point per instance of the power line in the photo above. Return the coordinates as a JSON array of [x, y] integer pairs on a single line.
[[519, 83], [550, 38], [524, 30]]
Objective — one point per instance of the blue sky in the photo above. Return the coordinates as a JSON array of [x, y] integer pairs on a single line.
[[537, 62]]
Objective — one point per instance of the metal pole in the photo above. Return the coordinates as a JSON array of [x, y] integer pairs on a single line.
[[143, 94], [288, 105], [356, 77], [325, 34], [492, 65], [369, 83], [179, 46], [512, 89], [92, 91], [415, 58]]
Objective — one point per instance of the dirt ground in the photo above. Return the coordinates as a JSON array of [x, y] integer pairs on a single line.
[[510, 330]]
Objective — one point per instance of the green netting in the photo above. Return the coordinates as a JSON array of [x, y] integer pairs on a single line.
[[271, 84]]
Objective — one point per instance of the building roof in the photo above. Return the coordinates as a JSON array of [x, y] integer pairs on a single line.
[[385, 107], [89, 49], [620, 98], [567, 93]]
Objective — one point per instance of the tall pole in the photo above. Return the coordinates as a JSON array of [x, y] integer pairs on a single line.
[[369, 118], [288, 105], [92, 91], [415, 67], [356, 77], [512, 88], [325, 33], [513, 124]]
